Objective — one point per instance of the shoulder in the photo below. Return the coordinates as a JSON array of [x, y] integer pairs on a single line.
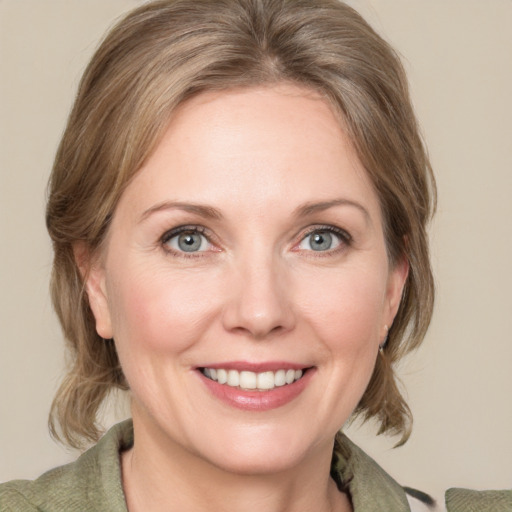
[[60, 485], [13, 497], [94, 478], [465, 500]]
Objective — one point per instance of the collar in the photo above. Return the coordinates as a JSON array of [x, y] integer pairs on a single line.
[[370, 488]]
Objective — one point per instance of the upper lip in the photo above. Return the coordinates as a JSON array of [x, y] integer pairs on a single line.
[[268, 366]]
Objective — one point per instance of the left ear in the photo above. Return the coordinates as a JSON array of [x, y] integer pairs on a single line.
[[396, 282]]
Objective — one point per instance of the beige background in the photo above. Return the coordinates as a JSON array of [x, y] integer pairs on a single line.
[[459, 57]]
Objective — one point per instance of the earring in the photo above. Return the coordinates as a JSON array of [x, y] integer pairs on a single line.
[[384, 341]]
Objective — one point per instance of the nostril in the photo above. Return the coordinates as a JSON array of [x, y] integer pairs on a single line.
[[257, 303]]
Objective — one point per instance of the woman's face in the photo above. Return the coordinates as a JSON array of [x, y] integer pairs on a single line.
[[249, 248]]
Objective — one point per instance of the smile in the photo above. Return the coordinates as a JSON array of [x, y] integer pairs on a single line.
[[248, 380]]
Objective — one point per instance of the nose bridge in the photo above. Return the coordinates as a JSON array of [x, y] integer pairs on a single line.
[[260, 303]]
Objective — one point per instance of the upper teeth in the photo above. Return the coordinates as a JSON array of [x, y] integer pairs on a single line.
[[252, 380]]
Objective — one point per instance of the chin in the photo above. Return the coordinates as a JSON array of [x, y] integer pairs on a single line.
[[262, 453], [260, 464]]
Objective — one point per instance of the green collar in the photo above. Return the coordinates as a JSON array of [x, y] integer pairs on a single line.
[[369, 486]]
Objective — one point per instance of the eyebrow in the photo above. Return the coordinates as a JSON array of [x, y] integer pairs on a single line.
[[209, 212], [312, 208], [199, 209]]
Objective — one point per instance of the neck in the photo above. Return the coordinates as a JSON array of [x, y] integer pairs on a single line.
[[160, 475]]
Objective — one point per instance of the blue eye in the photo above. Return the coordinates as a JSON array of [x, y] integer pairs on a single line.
[[321, 240], [188, 241]]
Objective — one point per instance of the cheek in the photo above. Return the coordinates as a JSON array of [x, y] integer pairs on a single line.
[[346, 308], [157, 312], [344, 314]]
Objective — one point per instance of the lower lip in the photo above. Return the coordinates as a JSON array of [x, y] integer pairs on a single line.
[[258, 400]]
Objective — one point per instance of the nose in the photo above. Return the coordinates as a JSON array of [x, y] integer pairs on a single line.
[[260, 303]]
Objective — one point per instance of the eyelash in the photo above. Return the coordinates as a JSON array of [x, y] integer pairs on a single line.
[[344, 238]]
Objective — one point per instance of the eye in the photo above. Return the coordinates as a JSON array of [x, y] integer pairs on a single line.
[[186, 240], [324, 239]]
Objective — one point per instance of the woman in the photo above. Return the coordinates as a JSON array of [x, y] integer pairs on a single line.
[[238, 210]]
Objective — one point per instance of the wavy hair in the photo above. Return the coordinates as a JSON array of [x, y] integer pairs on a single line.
[[167, 51]]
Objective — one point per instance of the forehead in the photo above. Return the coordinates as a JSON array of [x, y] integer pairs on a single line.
[[280, 143]]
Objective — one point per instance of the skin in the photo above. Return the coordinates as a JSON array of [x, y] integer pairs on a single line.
[[258, 159]]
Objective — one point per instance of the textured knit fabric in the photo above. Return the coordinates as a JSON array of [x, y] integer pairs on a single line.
[[93, 482], [464, 500], [369, 486]]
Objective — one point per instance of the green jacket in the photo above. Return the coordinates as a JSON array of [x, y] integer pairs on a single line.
[[93, 483]]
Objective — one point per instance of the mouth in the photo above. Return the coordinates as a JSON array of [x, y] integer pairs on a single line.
[[254, 381]]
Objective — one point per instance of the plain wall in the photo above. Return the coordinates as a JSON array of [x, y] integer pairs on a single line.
[[459, 57]]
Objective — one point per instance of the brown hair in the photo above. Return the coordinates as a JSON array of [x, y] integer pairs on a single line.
[[169, 50]]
